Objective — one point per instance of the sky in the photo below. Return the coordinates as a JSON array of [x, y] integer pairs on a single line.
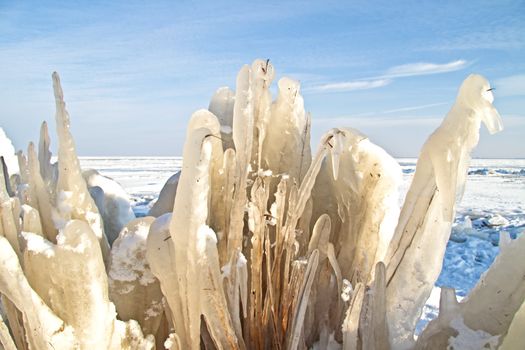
[[133, 72]]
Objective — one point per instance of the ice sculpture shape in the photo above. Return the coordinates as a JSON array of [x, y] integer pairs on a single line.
[[263, 246], [427, 214]]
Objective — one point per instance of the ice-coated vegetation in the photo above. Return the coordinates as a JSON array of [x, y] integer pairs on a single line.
[[257, 243]]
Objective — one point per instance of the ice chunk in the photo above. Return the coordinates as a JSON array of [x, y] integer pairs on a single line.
[[498, 220], [164, 203], [114, 206], [132, 287]]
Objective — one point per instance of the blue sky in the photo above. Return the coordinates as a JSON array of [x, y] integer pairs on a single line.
[[133, 72]]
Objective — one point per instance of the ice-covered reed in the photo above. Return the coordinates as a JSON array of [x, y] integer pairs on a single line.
[[256, 244]]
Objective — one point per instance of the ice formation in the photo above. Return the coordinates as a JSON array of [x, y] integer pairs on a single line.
[[164, 203], [428, 212], [257, 243], [112, 202]]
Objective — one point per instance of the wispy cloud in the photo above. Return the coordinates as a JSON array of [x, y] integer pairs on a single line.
[[413, 108], [424, 68], [401, 71], [513, 85], [352, 85]]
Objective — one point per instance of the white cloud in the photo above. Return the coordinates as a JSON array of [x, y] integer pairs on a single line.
[[513, 85], [413, 108], [424, 68], [353, 85], [405, 70]]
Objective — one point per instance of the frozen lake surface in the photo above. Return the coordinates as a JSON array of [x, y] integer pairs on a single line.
[[494, 201]]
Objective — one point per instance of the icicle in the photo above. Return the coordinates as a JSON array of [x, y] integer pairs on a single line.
[[48, 171], [214, 305], [7, 182], [242, 137], [24, 191], [189, 244], [73, 199], [9, 214], [221, 105], [22, 165], [160, 254], [262, 76], [320, 236], [336, 148], [223, 205], [41, 192], [286, 148], [426, 218]]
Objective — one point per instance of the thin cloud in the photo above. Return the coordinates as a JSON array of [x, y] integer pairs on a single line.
[[353, 85], [413, 108], [424, 68], [405, 70]]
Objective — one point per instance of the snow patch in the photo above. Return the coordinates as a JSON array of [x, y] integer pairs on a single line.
[[128, 262], [38, 244]]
